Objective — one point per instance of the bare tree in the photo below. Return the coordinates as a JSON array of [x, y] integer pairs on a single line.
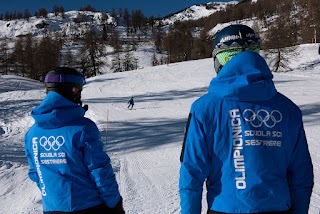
[[19, 56], [138, 20], [30, 45], [115, 41], [116, 63], [127, 19], [154, 60], [202, 46], [4, 56], [27, 14], [58, 10], [46, 57], [88, 8], [42, 12], [69, 59], [280, 43], [179, 42], [129, 61], [158, 36], [90, 53], [24, 56]]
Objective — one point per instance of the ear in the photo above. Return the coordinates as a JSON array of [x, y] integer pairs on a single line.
[[76, 90], [76, 95]]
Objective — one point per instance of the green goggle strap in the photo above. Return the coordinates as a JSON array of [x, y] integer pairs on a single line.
[[225, 55]]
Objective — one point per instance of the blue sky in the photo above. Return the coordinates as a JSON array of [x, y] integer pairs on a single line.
[[156, 8]]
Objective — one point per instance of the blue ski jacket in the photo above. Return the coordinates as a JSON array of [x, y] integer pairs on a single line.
[[246, 141], [66, 158]]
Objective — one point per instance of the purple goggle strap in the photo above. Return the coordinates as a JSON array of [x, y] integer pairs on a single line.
[[55, 78]]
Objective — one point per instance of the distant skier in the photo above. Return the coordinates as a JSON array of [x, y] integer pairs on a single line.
[[65, 152], [131, 103]]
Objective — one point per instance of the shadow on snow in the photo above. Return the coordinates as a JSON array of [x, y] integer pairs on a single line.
[[143, 134], [310, 113], [150, 97]]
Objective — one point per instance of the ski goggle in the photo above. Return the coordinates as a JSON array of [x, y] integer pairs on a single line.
[[225, 56], [64, 78]]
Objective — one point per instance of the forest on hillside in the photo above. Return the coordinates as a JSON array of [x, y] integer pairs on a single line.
[[281, 24]]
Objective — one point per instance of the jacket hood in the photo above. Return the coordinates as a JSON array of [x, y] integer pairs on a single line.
[[246, 77], [56, 111]]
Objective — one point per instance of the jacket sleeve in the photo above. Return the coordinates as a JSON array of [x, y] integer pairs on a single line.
[[98, 162], [32, 173], [195, 166], [300, 175]]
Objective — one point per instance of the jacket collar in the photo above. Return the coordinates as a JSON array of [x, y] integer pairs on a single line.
[[56, 111], [246, 77]]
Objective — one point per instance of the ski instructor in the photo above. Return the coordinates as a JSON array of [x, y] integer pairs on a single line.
[[244, 139], [65, 152]]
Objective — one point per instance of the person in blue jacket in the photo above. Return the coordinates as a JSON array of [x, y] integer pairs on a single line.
[[65, 152], [131, 103], [244, 139]]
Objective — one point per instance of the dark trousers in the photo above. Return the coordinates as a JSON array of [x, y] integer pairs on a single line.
[[100, 209], [275, 212]]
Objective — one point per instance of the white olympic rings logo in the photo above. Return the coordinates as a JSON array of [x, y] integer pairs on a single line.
[[262, 117], [52, 142]]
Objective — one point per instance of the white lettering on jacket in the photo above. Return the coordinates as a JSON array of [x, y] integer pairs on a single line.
[[36, 162], [237, 145]]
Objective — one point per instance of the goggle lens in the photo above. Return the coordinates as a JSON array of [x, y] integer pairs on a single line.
[[225, 56]]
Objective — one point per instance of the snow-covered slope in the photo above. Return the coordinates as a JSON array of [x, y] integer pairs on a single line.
[[76, 22], [145, 143], [197, 11], [67, 26]]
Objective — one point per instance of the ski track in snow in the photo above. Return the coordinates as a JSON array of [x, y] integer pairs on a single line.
[[144, 144]]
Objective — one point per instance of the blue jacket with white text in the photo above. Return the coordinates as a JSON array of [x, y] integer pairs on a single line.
[[247, 142], [66, 158]]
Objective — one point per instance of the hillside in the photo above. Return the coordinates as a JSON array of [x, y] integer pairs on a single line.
[[196, 12], [97, 42], [71, 29], [74, 23]]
